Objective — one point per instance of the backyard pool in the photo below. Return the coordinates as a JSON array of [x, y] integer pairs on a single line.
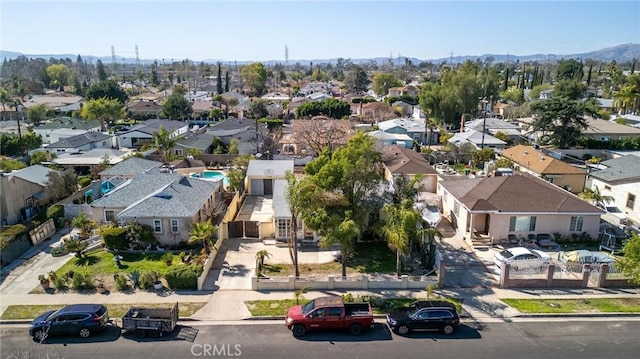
[[212, 176]]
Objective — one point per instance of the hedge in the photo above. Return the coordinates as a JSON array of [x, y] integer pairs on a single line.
[[115, 238], [84, 181], [184, 276], [56, 212]]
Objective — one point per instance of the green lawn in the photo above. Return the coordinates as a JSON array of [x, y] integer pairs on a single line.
[[101, 262], [372, 257], [14, 312], [595, 305]]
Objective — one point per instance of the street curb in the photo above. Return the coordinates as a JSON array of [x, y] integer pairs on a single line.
[[576, 315]]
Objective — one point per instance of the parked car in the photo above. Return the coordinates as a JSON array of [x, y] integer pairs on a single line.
[[80, 319], [584, 256], [329, 313], [424, 315], [511, 255]]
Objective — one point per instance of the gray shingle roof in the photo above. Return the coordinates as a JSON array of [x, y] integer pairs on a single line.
[[519, 193], [35, 174], [130, 167], [80, 140], [625, 168], [153, 125], [182, 197], [70, 123]]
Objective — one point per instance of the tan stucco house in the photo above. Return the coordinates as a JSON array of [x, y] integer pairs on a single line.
[[534, 161], [521, 204], [22, 192]]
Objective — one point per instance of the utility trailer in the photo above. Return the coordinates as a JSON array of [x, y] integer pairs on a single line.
[[153, 322]]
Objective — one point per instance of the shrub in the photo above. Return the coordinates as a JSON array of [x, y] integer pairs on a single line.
[[84, 181], [82, 281], [183, 277], [115, 238], [148, 278], [59, 251], [56, 212], [7, 236], [60, 283], [121, 282]]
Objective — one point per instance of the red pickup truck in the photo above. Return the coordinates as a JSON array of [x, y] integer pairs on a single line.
[[329, 313]]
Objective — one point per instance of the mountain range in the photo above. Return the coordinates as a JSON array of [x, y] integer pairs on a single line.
[[619, 53]]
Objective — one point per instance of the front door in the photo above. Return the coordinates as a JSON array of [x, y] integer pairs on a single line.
[[268, 186]]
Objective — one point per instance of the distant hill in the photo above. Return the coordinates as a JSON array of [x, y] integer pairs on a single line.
[[619, 53]]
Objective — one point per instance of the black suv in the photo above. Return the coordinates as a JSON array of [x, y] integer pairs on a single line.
[[424, 315], [80, 319]]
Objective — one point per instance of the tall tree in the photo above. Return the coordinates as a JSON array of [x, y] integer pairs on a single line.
[[177, 107], [103, 109], [59, 75], [37, 113], [219, 79], [299, 192], [356, 80], [226, 81], [255, 76], [562, 120], [164, 140], [106, 89], [595, 196], [383, 81], [400, 225], [630, 262], [570, 89], [102, 74]]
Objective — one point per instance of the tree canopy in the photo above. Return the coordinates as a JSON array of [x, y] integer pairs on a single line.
[[177, 107], [562, 120], [356, 80], [106, 89], [383, 81], [103, 109], [255, 76], [330, 107], [59, 75]]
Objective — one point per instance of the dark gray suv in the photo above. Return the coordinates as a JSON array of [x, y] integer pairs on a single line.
[[79, 319]]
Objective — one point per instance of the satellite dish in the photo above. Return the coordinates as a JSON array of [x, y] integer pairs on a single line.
[[268, 172]]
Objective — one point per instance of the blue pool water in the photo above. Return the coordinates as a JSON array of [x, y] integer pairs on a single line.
[[212, 175]]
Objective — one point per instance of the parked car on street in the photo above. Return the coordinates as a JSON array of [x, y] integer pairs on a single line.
[[424, 315], [329, 313], [583, 256], [79, 319], [514, 254]]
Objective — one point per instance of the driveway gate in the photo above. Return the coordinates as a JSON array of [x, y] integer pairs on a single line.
[[252, 229], [236, 229]]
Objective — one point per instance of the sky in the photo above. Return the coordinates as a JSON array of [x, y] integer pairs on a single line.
[[244, 30]]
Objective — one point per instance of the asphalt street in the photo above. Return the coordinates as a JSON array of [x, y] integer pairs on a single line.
[[254, 339]]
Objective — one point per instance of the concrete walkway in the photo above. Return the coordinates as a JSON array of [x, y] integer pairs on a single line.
[[471, 279]]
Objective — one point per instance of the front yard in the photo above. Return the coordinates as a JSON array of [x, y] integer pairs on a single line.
[[592, 305], [15, 312], [370, 257]]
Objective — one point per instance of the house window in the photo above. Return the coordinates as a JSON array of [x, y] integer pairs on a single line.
[[157, 226], [174, 226], [178, 151], [110, 216], [607, 188], [631, 200], [522, 224], [576, 224], [283, 228], [456, 208], [104, 143]]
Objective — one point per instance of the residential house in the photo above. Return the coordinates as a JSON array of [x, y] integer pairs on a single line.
[[493, 126], [619, 179], [168, 202], [603, 130], [261, 174], [546, 94], [10, 127], [310, 137], [90, 158], [605, 104], [276, 96], [202, 109], [198, 141], [64, 127], [198, 96], [23, 193], [319, 96], [500, 110], [142, 134], [414, 128], [130, 167], [495, 207], [83, 142], [534, 161], [143, 110], [384, 139], [406, 108], [400, 161], [478, 139], [282, 215], [244, 130], [373, 111], [408, 90], [55, 101]]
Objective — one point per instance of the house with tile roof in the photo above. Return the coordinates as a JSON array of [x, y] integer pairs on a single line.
[[620, 179], [23, 192], [399, 160], [534, 161], [408, 90], [142, 110], [522, 204], [310, 137], [168, 202]]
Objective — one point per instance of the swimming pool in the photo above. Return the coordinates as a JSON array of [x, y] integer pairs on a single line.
[[212, 176]]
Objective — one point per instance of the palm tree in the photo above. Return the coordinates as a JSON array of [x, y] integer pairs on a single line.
[[405, 187], [164, 141], [400, 226], [298, 194], [77, 246], [202, 232], [4, 99], [261, 255], [84, 224], [594, 196], [298, 294], [432, 124], [345, 235], [429, 247]]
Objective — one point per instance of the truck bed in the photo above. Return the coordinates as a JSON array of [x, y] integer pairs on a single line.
[[357, 309], [159, 319]]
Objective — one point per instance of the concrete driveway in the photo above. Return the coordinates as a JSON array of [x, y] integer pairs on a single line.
[[235, 263]]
